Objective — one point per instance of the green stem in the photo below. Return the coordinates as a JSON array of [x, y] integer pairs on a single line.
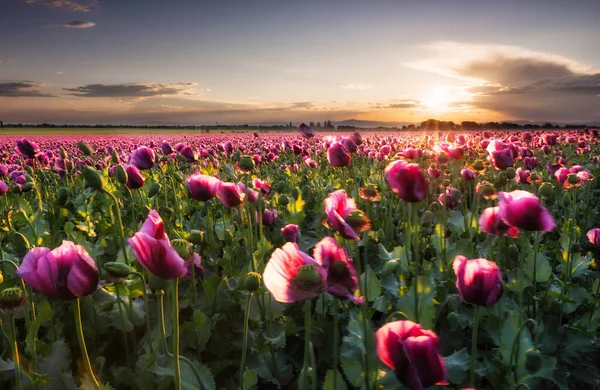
[[121, 230], [307, 323], [245, 343], [535, 255], [516, 344], [336, 341], [146, 310], [474, 345], [80, 338], [175, 308], [15, 348], [123, 323]]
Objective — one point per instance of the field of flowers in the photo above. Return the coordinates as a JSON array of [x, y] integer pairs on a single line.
[[300, 261]]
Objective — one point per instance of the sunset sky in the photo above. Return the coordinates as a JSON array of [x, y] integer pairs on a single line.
[[254, 61]]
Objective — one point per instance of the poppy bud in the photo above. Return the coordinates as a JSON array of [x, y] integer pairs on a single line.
[[12, 300], [196, 237], [63, 153], [575, 247], [533, 361], [114, 157], [27, 187], [117, 269], [427, 218], [154, 189], [511, 173], [434, 206], [246, 163], [283, 200], [63, 196], [295, 193], [513, 252], [566, 200], [546, 189], [157, 284], [85, 148], [306, 191], [182, 247], [456, 195], [20, 244], [453, 320], [93, 178], [121, 174], [252, 281]]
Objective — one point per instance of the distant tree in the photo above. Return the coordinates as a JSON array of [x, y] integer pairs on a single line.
[[468, 125], [318, 124], [311, 124]]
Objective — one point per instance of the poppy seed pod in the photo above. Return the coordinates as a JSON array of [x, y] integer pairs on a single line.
[[12, 300], [252, 281], [546, 190]]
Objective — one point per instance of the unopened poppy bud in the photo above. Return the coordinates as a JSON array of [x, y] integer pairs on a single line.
[[121, 174], [69, 166], [196, 237], [117, 269], [85, 148], [20, 244], [27, 187], [547, 190], [252, 281], [114, 157], [566, 200], [456, 195], [237, 155], [295, 193], [246, 163], [12, 300], [157, 284], [63, 153], [389, 267], [513, 252], [29, 171], [164, 159], [575, 247], [501, 179], [533, 361], [29, 178], [306, 191], [453, 320], [511, 173], [478, 165], [183, 248], [260, 203], [63, 196], [427, 218], [572, 179], [93, 178], [154, 189], [283, 200]]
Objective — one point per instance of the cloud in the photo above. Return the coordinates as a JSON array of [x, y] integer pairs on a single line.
[[305, 105], [72, 5], [75, 24], [519, 83], [131, 90], [21, 89], [356, 86], [404, 104]]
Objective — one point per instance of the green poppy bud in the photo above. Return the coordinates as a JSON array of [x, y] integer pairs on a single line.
[[453, 320], [434, 206], [575, 247], [246, 163], [28, 187], [427, 218], [93, 178], [533, 361], [85, 148], [456, 195], [546, 189], [511, 173], [121, 174], [283, 200], [513, 252], [566, 200], [295, 193], [157, 284], [154, 189], [117, 269], [63, 196], [63, 153]]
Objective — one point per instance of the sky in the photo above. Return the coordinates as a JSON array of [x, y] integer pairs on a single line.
[[260, 61]]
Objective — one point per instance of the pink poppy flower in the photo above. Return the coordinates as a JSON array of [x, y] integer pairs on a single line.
[[523, 210], [343, 215]]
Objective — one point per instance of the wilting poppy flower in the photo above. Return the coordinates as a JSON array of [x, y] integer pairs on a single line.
[[406, 180], [491, 223], [202, 187], [291, 275], [594, 236], [291, 233], [154, 251], [413, 353], [229, 195], [306, 131], [27, 148], [337, 155], [341, 275], [142, 158], [478, 281], [66, 272], [135, 179], [344, 216], [523, 210]]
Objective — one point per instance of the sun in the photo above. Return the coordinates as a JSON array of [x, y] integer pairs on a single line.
[[437, 99]]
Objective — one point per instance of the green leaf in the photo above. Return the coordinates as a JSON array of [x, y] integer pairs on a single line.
[[250, 379], [426, 306], [57, 365], [45, 313], [544, 270], [189, 381], [353, 351], [329, 379], [457, 366], [372, 287]]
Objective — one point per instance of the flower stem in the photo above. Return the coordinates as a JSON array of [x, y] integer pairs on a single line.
[[245, 343], [121, 231], [123, 324], [476, 315], [307, 323], [336, 341], [535, 255], [514, 351], [177, 368], [84, 353], [15, 348]]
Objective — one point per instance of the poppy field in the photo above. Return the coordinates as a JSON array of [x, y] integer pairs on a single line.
[[372, 260]]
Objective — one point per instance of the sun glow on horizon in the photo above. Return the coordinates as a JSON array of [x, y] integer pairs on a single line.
[[438, 99]]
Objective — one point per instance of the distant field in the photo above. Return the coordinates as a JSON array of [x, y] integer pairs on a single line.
[[124, 130]]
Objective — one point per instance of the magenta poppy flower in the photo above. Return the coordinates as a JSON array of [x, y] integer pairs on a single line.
[[291, 275], [478, 281], [413, 353], [135, 179], [343, 215], [263, 186], [467, 174], [189, 153], [142, 158], [3, 187], [594, 236], [291, 233], [154, 251], [491, 223], [268, 217], [27, 148], [202, 187], [341, 275], [523, 210], [306, 131], [406, 180], [3, 170], [503, 158], [229, 194], [193, 265], [338, 155], [249, 192], [523, 176], [66, 272]]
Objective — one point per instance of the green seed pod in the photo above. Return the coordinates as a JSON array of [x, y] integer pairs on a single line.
[[196, 237], [546, 189], [572, 179], [154, 189], [29, 170], [389, 267], [306, 191], [427, 218], [453, 320], [252, 281], [28, 187], [20, 244], [533, 360], [69, 166], [12, 300], [183, 248], [117, 269], [237, 155], [93, 178], [295, 193], [479, 165], [283, 200], [308, 276], [121, 174], [510, 173], [513, 252], [260, 203], [157, 284], [445, 182], [434, 206], [281, 187], [246, 163], [63, 196], [501, 179], [566, 200], [85, 148]]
